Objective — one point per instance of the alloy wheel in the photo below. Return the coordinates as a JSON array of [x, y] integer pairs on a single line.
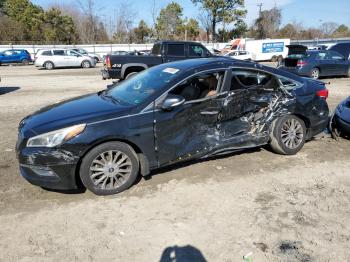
[[86, 64], [292, 133], [315, 73], [110, 169]]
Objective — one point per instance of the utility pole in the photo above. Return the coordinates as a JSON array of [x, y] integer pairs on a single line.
[[260, 8], [259, 19]]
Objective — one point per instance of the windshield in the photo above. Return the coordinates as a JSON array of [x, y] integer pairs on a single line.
[[138, 88]]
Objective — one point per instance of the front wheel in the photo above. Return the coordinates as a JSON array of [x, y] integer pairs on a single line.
[[288, 135], [86, 64], [109, 168]]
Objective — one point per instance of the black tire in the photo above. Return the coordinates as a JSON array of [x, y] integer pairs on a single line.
[[315, 73], [92, 160], [279, 59], [131, 74], [49, 65], [86, 64], [96, 60], [25, 62], [279, 138], [347, 75]]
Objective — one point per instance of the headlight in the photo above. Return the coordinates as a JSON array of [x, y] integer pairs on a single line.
[[56, 137]]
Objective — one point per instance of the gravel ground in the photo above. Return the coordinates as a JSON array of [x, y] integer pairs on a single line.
[[281, 208]]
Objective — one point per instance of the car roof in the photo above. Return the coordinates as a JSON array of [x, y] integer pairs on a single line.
[[176, 42]]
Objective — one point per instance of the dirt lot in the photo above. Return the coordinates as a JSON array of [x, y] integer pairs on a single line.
[[280, 208]]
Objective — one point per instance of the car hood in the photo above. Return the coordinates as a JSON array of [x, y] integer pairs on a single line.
[[84, 109]]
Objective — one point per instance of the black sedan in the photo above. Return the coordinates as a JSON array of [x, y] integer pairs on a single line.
[[166, 114], [315, 64]]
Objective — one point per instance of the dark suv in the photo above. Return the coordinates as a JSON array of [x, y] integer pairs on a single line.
[[342, 48]]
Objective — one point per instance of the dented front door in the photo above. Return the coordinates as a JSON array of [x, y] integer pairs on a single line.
[[187, 130]]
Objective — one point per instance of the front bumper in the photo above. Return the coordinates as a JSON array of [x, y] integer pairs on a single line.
[[342, 125], [49, 167]]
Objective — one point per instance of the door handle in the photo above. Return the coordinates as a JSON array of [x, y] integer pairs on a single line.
[[209, 113]]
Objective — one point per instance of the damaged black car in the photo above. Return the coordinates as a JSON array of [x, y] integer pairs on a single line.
[[169, 113]]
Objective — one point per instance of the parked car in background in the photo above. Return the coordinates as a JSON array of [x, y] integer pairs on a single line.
[[240, 55], [125, 66], [214, 51], [170, 113], [342, 48], [261, 50], [341, 118], [54, 58], [15, 56], [97, 57], [315, 63]]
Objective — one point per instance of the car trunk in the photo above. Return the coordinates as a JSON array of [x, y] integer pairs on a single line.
[[295, 55]]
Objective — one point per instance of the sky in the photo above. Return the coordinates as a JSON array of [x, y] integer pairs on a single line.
[[310, 13]]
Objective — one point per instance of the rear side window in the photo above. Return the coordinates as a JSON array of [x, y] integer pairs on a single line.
[[196, 51], [321, 56], [176, 49], [58, 52], [46, 53], [156, 50], [243, 79]]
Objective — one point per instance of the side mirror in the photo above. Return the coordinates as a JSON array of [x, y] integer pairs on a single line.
[[172, 101]]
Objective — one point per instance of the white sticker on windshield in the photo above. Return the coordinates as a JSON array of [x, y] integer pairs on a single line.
[[170, 70]]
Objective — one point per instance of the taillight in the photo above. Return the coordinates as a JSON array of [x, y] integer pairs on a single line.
[[323, 93], [301, 63], [108, 62]]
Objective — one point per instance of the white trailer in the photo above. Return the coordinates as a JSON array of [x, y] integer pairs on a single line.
[[267, 49]]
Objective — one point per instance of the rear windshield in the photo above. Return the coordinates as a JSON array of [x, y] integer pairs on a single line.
[[298, 56]]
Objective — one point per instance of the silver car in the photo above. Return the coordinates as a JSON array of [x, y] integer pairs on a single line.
[[53, 58]]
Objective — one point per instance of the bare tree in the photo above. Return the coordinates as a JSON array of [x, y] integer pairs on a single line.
[[205, 19], [328, 28], [124, 18]]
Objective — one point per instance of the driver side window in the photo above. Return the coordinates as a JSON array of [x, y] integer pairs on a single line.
[[200, 86]]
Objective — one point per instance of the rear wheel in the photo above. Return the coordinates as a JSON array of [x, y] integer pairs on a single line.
[[25, 62], [130, 75], [109, 168], [85, 64], [49, 65], [288, 135], [279, 59], [315, 73], [96, 60]]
